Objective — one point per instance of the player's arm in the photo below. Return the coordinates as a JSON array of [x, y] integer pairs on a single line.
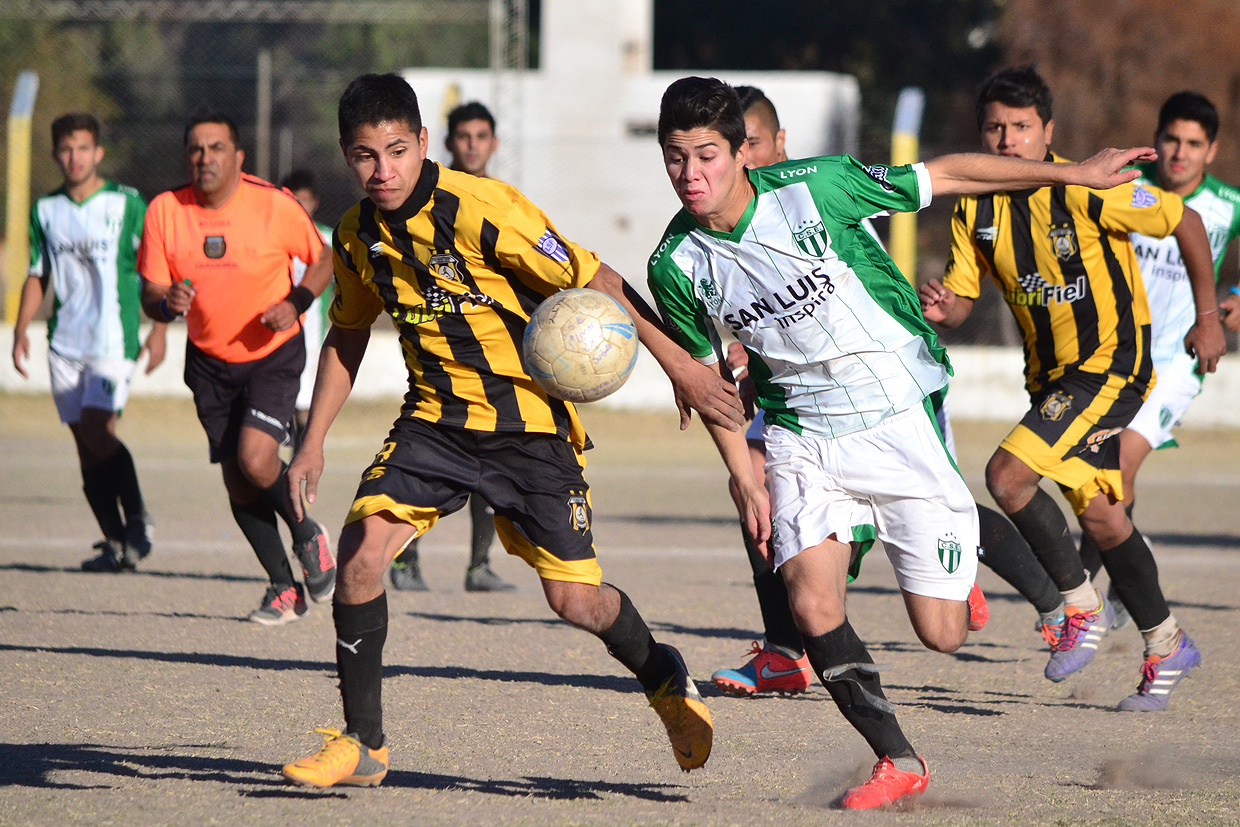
[[750, 496], [695, 385], [941, 305], [339, 362], [156, 346], [27, 309], [1205, 338], [284, 314], [972, 173]]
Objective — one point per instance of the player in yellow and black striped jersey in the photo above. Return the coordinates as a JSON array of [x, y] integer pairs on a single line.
[[459, 263], [1062, 259]]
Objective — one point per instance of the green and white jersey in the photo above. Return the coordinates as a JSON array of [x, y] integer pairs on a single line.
[[1172, 311], [87, 254], [835, 335]]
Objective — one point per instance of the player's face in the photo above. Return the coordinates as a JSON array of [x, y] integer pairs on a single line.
[[214, 160], [1017, 132], [1184, 150], [472, 144], [78, 156], [765, 147], [386, 160], [308, 200], [709, 180]]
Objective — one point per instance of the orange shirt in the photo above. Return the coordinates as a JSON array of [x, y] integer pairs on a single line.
[[238, 258]]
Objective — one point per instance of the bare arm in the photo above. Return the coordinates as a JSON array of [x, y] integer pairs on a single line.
[[696, 386], [941, 305], [752, 502], [27, 309], [1205, 338], [977, 173]]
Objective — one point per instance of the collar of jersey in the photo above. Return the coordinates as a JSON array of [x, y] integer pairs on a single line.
[[419, 198], [742, 224], [108, 186]]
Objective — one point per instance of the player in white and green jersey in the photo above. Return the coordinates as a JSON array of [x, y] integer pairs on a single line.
[[83, 245], [843, 363]]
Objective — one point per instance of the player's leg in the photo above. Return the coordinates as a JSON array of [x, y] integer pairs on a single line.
[[93, 438], [480, 577], [405, 572], [1008, 555]]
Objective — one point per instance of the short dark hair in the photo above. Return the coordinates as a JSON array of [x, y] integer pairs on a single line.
[[702, 103], [1189, 106], [472, 111], [374, 99], [299, 179], [1017, 87], [753, 100], [211, 116], [71, 122]]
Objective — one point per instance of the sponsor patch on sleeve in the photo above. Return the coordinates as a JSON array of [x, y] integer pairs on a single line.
[[1141, 197], [879, 174], [551, 247]]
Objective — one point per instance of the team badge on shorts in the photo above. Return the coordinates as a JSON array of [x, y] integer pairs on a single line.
[[1063, 240], [949, 553], [1164, 416], [1054, 406], [1093, 443], [214, 246], [444, 265], [579, 512]]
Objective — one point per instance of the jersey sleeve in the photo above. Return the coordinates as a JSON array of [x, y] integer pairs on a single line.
[[529, 245], [878, 189], [965, 264], [682, 311], [355, 306], [40, 261], [152, 253], [1139, 208], [131, 232], [301, 239]]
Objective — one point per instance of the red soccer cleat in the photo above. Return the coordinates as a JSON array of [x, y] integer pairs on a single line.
[[979, 612], [887, 785]]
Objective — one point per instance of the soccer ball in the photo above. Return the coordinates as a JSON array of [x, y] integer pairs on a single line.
[[580, 345]]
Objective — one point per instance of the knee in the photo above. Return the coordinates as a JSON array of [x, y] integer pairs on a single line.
[[946, 638], [258, 469], [815, 614], [1006, 483], [579, 604]]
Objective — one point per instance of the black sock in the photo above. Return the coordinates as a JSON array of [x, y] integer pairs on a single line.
[[361, 631], [777, 622], [1134, 574], [1009, 556], [483, 519], [99, 486], [257, 521], [1044, 527], [629, 641], [1091, 557], [278, 497], [839, 658], [127, 488]]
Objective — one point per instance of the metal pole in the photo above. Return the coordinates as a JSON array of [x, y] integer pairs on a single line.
[[262, 128], [17, 202], [902, 240]]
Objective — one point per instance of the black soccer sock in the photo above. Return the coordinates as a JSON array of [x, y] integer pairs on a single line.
[[257, 521], [1091, 557], [361, 631], [777, 622], [1009, 556], [629, 641], [278, 497], [127, 488], [483, 519], [846, 669], [1134, 574], [1044, 527], [99, 486]]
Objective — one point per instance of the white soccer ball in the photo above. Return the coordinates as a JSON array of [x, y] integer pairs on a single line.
[[580, 345]]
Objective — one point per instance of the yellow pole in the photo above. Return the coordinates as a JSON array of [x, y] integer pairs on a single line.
[[17, 202], [902, 238]]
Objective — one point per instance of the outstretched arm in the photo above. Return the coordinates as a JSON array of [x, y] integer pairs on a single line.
[[941, 305], [972, 173]]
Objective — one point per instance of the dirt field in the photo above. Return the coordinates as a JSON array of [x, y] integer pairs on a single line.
[[145, 699]]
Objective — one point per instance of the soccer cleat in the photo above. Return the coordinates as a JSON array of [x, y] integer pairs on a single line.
[[484, 579], [887, 785], [1049, 626], [280, 606], [1122, 618], [407, 577], [1161, 675], [766, 671], [685, 717], [1078, 641], [111, 558], [318, 567], [341, 760], [979, 612]]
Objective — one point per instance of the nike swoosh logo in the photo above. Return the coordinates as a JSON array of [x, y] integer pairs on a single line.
[[767, 672]]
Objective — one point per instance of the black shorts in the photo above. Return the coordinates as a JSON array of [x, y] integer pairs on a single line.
[[533, 482], [260, 394]]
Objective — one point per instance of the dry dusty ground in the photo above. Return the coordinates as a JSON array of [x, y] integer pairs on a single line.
[[145, 699]]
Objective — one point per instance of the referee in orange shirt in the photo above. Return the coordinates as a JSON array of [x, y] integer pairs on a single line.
[[219, 252]]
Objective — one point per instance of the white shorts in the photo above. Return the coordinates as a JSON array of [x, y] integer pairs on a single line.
[[894, 481], [1178, 384], [102, 384]]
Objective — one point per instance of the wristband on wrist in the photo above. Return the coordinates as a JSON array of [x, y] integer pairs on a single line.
[[1207, 312], [166, 311], [301, 297], [1234, 290]]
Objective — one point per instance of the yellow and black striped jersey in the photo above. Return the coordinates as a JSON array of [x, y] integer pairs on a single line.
[[458, 268], [1062, 259]]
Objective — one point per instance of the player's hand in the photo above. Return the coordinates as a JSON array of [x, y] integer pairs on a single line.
[[937, 301], [155, 347], [21, 351], [754, 507], [306, 468], [1229, 312], [179, 297], [1205, 341], [697, 387], [280, 316], [1107, 168]]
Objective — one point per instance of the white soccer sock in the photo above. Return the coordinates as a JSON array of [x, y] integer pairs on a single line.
[[1162, 639], [1084, 597]]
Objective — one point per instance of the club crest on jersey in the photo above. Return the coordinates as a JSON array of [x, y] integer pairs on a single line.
[[578, 512], [1063, 241], [879, 173], [1141, 197], [1054, 406], [812, 238], [949, 553], [214, 246], [711, 296], [551, 247], [444, 265]]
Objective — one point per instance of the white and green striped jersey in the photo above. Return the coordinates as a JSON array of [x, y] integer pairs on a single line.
[[86, 253], [835, 335], [1172, 310]]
